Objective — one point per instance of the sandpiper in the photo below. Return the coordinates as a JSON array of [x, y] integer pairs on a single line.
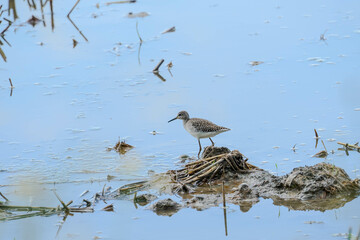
[[199, 128]]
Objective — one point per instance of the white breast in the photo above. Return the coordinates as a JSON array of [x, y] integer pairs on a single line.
[[190, 129]]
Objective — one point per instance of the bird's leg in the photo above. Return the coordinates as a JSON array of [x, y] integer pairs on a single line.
[[199, 149], [212, 142]]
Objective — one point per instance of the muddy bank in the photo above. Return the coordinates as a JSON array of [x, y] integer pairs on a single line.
[[320, 187]]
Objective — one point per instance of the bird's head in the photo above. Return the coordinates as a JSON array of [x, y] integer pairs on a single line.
[[181, 115]]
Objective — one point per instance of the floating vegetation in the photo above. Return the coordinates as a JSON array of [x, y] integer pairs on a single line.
[[121, 147], [2, 54], [170, 65], [29, 211], [255, 63], [349, 147], [33, 21], [75, 43], [120, 2], [108, 208], [170, 30], [323, 153], [137, 15]]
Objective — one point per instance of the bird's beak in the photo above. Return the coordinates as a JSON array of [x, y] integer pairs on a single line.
[[172, 119]]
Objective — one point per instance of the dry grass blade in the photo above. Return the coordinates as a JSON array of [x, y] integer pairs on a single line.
[[205, 159], [324, 145], [11, 85], [108, 208], [172, 29], [212, 168], [205, 169], [137, 31], [77, 2], [82, 210], [71, 21], [10, 22], [62, 203], [198, 177], [120, 2], [4, 197], [316, 134], [156, 69], [350, 146], [2, 54]]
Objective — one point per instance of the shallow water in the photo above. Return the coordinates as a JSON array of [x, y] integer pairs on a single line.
[[70, 104]]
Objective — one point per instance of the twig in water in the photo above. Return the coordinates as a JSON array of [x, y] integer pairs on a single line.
[[323, 145], [4, 196], [11, 85], [169, 66], [52, 15], [85, 192], [103, 190], [77, 2], [323, 153], [10, 22], [156, 69], [224, 206], [61, 224], [135, 200], [172, 29], [42, 13], [141, 41], [108, 208], [77, 29], [137, 31], [159, 76], [66, 209], [316, 134], [2, 54], [316, 137], [322, 36], [117, 2], [350, 146]]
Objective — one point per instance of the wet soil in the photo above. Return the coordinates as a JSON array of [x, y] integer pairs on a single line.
[[320, 187]]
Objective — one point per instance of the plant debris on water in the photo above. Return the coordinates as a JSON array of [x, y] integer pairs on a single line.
[[137, 15], [255, 63], [121, 147], [212, 166], [170, 30]]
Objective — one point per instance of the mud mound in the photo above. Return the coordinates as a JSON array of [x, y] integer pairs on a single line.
[[319, 187], [165, 207], [319, 181]]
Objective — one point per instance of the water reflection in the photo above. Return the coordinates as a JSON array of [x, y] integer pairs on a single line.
[[33, 21]]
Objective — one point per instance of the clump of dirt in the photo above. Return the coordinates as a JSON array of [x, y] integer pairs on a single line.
[[166, 207], [318, 182], [144, 199]]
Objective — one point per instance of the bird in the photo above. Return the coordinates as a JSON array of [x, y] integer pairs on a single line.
[[199, 128]]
